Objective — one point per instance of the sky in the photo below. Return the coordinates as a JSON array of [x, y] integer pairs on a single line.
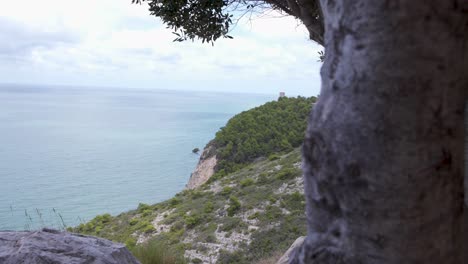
[[113, 43]]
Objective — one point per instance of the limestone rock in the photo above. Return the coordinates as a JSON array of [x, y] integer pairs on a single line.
[[204, 169], [285, 259], [51, 246]]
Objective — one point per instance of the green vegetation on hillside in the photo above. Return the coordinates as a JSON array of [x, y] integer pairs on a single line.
[[277, 126], [250, 211], [254, 213]]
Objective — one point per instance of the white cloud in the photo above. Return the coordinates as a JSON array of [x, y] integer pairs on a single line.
[[113, 42]]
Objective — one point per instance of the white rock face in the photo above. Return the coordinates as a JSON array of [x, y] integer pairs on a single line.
[[203, 171], [52, 246], [286, 258]]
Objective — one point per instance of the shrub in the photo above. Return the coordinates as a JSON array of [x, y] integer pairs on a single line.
[[173, 237], [149, 228], [265, 243], [246, 182], [197, 194], [130, 243], [89, 227], [288, 173], [273, 213], [226, 191], [155, 252], [272, 199], [171, 218], [297, 196], [133, 221], [100, 219], [234, 206], [145, 227], [174, 201], [262, 178], [294, 202], [209, 207], [147, 212], [106, 218], [231, 257], [202, 248], [273, 157], [230, 223], [217, 175], [211, 238], [254, 216], [192, 220], [142, 207], [179, 225]]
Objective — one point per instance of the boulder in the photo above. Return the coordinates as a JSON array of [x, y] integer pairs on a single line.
[[286, 258], [51, 246]]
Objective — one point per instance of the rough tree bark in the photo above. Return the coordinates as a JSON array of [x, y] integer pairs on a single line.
[[384, 149]]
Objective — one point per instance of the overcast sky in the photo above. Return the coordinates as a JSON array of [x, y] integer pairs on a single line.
[[113, 43]]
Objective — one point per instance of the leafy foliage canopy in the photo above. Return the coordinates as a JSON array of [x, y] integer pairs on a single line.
[[190, 19], [277, 126], [209, 20]]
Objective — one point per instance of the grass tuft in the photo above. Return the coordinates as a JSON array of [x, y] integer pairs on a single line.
[[156, 252]]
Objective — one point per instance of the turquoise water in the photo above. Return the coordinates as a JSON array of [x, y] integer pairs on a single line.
[[73, 153]]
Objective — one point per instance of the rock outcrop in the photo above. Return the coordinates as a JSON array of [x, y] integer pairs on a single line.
[[52, 246], [204, 169], [286, 258]]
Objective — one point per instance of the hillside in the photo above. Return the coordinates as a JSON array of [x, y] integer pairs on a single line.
[[275, 127], [249, 214]]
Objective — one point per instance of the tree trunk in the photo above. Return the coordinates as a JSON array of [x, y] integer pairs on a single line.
[[384, 150]]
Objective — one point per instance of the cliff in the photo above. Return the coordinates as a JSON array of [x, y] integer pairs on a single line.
[[275, 127], [205, 168]]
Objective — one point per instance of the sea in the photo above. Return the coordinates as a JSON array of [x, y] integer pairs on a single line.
[[68, 154]]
